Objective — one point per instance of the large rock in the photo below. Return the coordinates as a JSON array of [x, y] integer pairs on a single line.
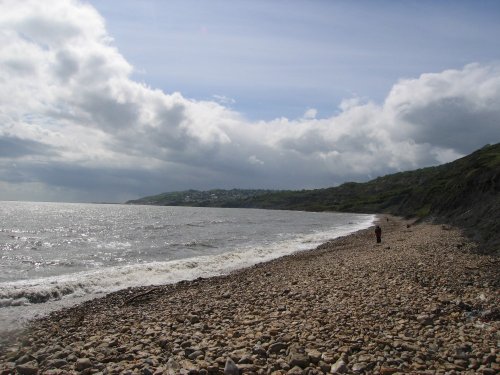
[[295, 371], [173, 366], [277, 347], [359, 367], [314, 355], [196, 354], [230, 368], [260, 351], [298, 359], [425, 319], [28, 368], [340, 367], [82, 364]]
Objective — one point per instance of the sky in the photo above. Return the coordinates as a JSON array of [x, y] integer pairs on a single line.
[[105, 101]]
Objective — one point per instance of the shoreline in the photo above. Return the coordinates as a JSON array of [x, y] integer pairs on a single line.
[[420, 301], [52, 293]]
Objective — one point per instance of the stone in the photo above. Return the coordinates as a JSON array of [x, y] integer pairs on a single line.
[[185, 344], [196, 354], [365, 358], [245, 360], [237, 355], [314, 355], [7, 368], [230, 368], [82, 364], [173, 366], [298, 359], [194, 319], [325, 367], [260, 351], [186, 364], [328, 358], [27, 368], [23, 359], [358, 367], [296, 370], [425, 319], [340, 367], [388, 370], [277, 347], [247, 368]]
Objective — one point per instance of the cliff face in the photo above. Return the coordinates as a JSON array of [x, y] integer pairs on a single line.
[[465, 193]]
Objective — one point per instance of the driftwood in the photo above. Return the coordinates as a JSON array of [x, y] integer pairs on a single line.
[[133, 298]]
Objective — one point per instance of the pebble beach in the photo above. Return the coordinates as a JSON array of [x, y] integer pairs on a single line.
[[423, 301]]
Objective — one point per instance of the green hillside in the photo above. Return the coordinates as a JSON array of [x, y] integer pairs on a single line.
[[196, 198]]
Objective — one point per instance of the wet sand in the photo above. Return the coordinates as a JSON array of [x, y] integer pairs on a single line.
[[420, 302]]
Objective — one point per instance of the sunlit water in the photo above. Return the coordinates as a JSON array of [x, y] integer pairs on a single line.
[[57, 254]]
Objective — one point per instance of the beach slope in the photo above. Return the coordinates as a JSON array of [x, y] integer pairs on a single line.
[[419, 302]]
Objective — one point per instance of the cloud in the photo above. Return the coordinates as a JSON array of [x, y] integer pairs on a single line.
[[72, 120], [310, 113], [13, 147], [224, 100], [454, 109]]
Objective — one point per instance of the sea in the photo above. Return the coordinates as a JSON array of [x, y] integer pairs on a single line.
[[54, 255]]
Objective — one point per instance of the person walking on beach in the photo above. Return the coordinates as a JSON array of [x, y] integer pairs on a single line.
[[378, 233]]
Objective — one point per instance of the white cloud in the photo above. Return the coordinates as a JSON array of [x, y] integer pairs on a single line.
[[72, 118], [311, 113], [224, 100]]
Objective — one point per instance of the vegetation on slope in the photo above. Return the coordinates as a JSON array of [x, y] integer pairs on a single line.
[[210, 198]]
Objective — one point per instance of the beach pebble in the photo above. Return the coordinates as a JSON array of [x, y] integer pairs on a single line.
[[277, 347], [358, 367], [230, 368], [295, 371], [57, 363], [82, 364], [340, 367], [314, 355], [196, 354], [298, 359], [27, 368]]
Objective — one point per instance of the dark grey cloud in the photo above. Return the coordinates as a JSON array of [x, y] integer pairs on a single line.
[[453, 122], [66, 65], [106, 112], [14, 147]]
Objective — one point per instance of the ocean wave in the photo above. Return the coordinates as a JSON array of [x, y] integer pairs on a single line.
[[197, 244]]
